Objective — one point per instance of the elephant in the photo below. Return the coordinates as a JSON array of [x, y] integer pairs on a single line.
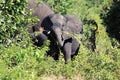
[[63, 28], [54, 24]]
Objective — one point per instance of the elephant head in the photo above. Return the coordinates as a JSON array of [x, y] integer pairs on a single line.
[[61, 26], [59, 22], [55, 23]]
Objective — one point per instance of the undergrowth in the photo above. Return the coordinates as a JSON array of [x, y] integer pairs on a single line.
[[98, 57]]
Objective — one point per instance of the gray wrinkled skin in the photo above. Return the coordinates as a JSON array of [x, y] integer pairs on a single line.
[[58, 23], [63, 28], [40, 10], [72, 32]]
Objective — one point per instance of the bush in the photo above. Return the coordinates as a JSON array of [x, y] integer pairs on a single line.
[[12, 19], [20, 59], [60, 6], [97, 58]]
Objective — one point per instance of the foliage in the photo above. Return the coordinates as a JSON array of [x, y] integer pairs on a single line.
[[99, 54], [12, 19], [112, 20], [19, 59], [60, 6]]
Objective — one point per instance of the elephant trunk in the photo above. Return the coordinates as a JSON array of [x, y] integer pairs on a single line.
[[58, 34]]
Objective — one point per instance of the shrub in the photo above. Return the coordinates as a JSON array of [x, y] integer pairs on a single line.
[[60, 6], [12, 19], [22, 60]]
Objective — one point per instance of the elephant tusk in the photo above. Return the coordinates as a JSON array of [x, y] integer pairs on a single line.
[[48, 32]]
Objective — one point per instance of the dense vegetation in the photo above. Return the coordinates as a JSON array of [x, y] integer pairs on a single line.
[[99, 55]]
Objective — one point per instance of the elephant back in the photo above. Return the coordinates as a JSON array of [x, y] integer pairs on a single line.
[[40, 9]]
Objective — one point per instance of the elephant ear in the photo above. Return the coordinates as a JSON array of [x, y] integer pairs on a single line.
[[73, 26]]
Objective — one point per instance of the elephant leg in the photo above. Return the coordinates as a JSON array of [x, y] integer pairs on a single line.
[[54, 51], [67, 50], [53, 48], [41, 38], [75, 47], [75, 53]]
